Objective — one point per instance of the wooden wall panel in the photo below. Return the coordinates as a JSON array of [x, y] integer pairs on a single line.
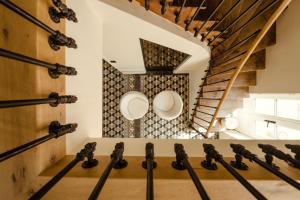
[[24, 81]]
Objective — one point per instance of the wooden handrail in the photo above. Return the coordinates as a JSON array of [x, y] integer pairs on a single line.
[[253, 46]]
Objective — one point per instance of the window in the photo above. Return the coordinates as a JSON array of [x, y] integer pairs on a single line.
[[288, 108], [277, 118], [265, 129], [265, 106]]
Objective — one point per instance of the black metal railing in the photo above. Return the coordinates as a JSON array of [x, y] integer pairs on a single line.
[[217, 24], [116, 162], [85, 153], [188, 22], [149, 164], [63, 12], [242, 152], [178, 13], [56, 130], [54, 70], [56, 38], [53, 100], [212, 154], [182, 163]]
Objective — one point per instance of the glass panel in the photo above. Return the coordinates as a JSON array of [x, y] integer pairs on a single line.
[[265, 106], [287, 133], [265, 130], [288, 108]]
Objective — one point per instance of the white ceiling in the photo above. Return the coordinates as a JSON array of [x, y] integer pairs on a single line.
[[124, 23]]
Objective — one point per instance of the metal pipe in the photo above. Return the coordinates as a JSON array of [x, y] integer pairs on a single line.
[[56, 39], [53, 100], [86, 152], [182, 163], [235, 21], [116, 162], [223, 19], [228, 70], [211, 154], [202, 112], [202, 119], [271, 151], [207, 84], [149, 164], [55, 70], [249, 21], [55, 131], [242, 151]]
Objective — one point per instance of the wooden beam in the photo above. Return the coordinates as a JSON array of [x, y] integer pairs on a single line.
[[251, 49]]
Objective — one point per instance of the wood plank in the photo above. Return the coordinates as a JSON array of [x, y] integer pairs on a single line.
[[24, 81]]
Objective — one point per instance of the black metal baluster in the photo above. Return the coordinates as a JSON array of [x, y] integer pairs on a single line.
[[55, 40], [188, 22], [86, 152], [149, 164], [164, 5], [235, 21], [117, 162], [54, 70], [147, 7], [223, 19], [53, 100], [212, 154], [241, 151], [182, 163], [209, 18], [271, 151], [56, 130], [63, 13], [248, 22], [178, 13]]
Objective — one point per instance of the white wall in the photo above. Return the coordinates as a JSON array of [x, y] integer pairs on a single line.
[[281, 76], [87, 85], [282, 68]]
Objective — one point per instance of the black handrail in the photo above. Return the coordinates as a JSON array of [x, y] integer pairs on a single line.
[[56, 39], [182, 163], [223, 19], [63, 13], [53, 100], [54, 70], [188, 22], [241, 151], [235, 21], [212, 154], [271, 151], [230, 60], [56, 130], [178, 13], [248, 22], [86, 152], [116, 162], [149, 164], [222, 72]]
